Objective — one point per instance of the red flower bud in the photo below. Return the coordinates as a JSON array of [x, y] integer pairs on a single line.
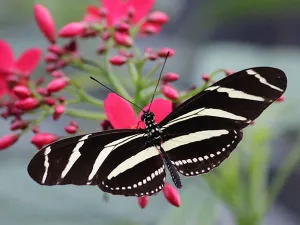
[[229, 72], [150, 29], [22, 91], [164, 51], [39, 81], [118, 60], [205, 77], [171, 194], [122, 39], [50, 68], [62, 63], [19, 124], [58, 111], [8, 140], [55, 49], [280, 99], [143, 201], [101, 50], [61, 99], [74, 123], [35, 129], [169, 91], [41, 139], [71, 129], [27, 103], [106, 125], [105, 36], [170, 77], [122, 27], [42, 91], [72, 30], [57, 74], [5, 115], [57, 84], [45, 22], [50, 57], [71, 46], [158, 17], [152, 56], [49, 101]]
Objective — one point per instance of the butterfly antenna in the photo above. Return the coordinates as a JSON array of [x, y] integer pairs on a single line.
[[158, 80], [94, 79]]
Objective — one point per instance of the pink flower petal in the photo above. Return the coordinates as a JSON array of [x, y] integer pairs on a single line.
[[29, 60], [6, 57], [119, 112], [142, 8], [115, 10], [45, 22], [92, 14], [150, 28], [160, 107], [3, 87]]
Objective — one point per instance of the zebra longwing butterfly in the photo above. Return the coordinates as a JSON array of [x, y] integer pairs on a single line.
[[193, 139]]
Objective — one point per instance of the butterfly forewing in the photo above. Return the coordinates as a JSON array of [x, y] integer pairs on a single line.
[[79, 160], [236, 99], [208, 125]]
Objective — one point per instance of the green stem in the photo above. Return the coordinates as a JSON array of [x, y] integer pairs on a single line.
[[113, 80], [33, 123], [84, 114], [133, 72], [86, 97], [151, 73]]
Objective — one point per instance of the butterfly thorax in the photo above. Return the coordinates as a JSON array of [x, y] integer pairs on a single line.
[[152, 128]]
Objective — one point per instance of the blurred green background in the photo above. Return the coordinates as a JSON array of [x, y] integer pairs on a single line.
[[214, 34]]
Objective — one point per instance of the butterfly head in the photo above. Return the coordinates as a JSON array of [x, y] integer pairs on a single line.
[[148, 117]]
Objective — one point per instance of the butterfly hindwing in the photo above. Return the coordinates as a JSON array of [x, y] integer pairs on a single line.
[[199, 152], [141, 174]]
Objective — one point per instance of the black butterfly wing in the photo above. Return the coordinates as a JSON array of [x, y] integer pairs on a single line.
[[204, 130], [90, 159]]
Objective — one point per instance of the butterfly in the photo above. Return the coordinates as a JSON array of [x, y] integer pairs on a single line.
[[194, 138]]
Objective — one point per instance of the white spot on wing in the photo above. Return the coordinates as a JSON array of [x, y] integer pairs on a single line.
[[263, 80], [205, 112], [46, 164], [107, 150], [74, 156], [232, 93]]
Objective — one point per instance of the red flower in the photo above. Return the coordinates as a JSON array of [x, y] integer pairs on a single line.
[[115, 11], [121, 114], [24, 65]]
